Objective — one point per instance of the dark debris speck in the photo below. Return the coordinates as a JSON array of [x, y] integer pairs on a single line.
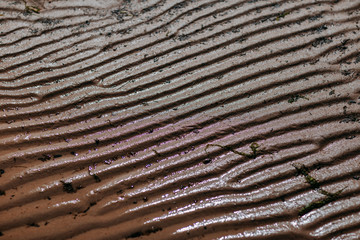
[[180, 5], [48, 21], [207, 161], [33, 225], [346, 72], [315, 18], [44, 157], [295, 98], [183, 37], [120, 14], [350, 137], [350, 118], [357, 60], [135, 235], [91, 204], [68, 187], [148, 9], [96, 177], [87, 23], [144, 233], [320, 29], [351, 102], [321, 41]]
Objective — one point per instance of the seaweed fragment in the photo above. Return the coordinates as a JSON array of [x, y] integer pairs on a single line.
[[330, 197], [281, 15], [303, 170], [254, 148], [31, 9], [318, 204]]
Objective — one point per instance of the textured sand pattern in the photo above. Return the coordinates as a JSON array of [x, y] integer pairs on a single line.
[[179, 119]]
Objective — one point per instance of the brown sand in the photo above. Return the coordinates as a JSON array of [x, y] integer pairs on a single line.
[[139, 119]]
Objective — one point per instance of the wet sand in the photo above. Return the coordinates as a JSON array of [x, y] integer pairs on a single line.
[[179, 119]]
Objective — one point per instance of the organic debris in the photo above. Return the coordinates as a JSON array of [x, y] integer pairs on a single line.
[[330, 197], [296, 97], [254, 148]]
